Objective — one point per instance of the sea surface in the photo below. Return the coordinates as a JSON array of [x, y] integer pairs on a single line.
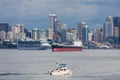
[[92, 64]]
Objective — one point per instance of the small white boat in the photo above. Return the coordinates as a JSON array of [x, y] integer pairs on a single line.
[[61, 70]]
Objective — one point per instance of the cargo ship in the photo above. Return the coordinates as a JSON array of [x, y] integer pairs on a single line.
[[76, 46]]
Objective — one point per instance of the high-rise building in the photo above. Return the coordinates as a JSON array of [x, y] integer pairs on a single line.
[[2, 36], [14, 29], [98, 35], [20, 28], [35, 34], [72, 35], [4, 27], [57, 27], [10, 36], [49, 33], [28, 33], [62, 32], [108, 29], [53, 18], [90, 36], [42, 34], [83, 32], [116, 22], [80, 28], [18, 32], [116, 32]]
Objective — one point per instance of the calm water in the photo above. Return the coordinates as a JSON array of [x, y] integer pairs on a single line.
[[34, 64]]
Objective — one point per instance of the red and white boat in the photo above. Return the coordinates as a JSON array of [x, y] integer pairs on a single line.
[[76, 46]]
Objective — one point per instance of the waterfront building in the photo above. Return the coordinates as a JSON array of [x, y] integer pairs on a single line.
[[62, 33], [18, 32], [28, 33], [21, 33], [98, 35], [116, 32], [42, 34], [116, 22], [2, 36], [108, 29], [90, 36], [35, 34], [10, 36], [4, 27], [52, 20], [49, 33], [20, 28], [83, 32], [57, 30], [57, 26], [72, 35], [14, 30]]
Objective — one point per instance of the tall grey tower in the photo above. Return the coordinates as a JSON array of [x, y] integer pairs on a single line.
[[52, 18], [83, 31], [108, 28]]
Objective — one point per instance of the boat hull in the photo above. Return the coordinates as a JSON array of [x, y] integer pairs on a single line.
[[61, 73], [65, 48], [28, 48]]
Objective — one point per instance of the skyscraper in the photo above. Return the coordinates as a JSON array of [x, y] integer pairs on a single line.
[[108, 28], [83, 32], [49, 33], [116, 22], [18, 32], [98, 35], [20, 28], [2, 36], [57, 27], [52, 18], [4, 27], [35, 34], [71, 35], [62, 33]]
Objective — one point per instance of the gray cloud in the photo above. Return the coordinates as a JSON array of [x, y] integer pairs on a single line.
[[70, 11]]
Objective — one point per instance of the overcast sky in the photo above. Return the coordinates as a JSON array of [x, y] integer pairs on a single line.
[[34, 13]]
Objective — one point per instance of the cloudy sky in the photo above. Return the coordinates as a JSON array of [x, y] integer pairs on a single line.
[[34, 13]]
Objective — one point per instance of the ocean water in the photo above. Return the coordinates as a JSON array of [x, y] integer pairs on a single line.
[[90, 64]]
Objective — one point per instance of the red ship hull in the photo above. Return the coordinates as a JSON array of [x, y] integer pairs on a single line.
[[65, 48]]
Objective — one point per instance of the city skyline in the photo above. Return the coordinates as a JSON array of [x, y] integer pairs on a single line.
[[34, 13]]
